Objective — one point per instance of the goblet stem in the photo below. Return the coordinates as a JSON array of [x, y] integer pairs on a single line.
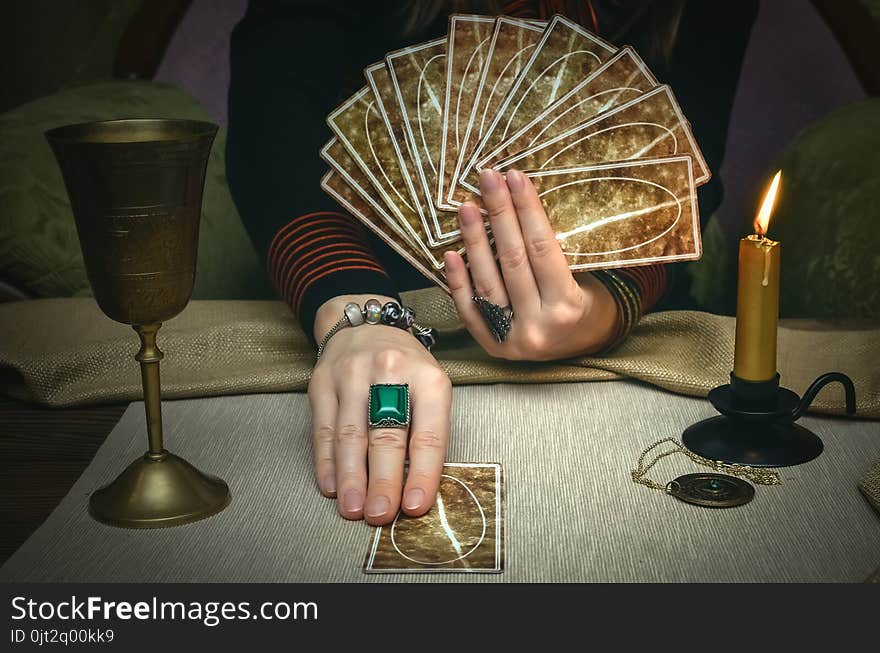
[[158, 489], [149, 357]]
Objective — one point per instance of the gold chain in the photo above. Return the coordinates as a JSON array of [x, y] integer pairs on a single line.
[[756, 475]]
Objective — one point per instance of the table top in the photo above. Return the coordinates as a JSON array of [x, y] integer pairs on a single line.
[[572, 512]]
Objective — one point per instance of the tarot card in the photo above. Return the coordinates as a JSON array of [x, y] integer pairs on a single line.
[[398, 237], [650, 126], [416, 221], [620, 79], [623, 214], [462, 532], [419, 77], [352, 197], [467, 52], [336, 156], [511, 46], [565, 56], [360, 128]]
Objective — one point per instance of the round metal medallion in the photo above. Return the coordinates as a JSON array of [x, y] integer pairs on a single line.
[[711, 490]]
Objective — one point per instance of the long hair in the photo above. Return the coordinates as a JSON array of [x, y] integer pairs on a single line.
[[650, 24]]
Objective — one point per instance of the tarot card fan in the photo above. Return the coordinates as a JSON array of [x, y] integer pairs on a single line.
[[606, 145]]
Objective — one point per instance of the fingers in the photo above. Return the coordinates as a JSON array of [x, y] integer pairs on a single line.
[[387, 448], [460, 288], [323, 402], [486, 276], [512, 255], [387, 454], [352, 388], [548, 264], [362, 466], [429, 435]]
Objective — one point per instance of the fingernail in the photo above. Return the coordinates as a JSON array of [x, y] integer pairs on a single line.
[[330, 484], [377, 506], [351, 502], [413, 498], [489, 180], [515, 180]]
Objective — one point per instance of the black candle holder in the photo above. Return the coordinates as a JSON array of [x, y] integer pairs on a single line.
[[757, 423]]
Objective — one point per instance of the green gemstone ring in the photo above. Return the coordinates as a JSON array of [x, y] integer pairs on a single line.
[[389, 405]]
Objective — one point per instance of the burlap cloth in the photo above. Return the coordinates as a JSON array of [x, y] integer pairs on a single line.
[[63, 352]]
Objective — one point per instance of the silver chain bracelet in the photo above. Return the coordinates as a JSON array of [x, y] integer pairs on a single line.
[[373, 312]]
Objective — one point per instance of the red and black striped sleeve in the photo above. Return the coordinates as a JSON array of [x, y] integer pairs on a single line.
[[650, 282], [320, 255], [635, 291]]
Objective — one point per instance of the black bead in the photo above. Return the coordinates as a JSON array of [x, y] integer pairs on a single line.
[[428, 337], [406, 319], [391, 313]]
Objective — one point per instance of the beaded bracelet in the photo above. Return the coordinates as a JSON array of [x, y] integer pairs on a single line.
[[391, 314]]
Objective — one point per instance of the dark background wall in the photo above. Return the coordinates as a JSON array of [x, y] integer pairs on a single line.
[[794, 72], [46, 44]]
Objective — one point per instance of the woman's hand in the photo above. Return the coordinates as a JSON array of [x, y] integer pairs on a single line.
[[364, 467], [555, 314]]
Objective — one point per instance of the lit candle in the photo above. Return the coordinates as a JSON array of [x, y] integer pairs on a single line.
[[757, 297]]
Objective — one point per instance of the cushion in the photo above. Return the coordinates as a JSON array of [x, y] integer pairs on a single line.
[[827, 218], [39, 248]]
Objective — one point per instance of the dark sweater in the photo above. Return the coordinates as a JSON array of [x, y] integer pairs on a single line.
[[294, 61]]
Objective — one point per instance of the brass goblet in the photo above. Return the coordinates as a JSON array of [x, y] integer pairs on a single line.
[[136, 191]]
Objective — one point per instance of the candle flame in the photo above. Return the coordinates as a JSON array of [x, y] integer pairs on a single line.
[[762, 220]]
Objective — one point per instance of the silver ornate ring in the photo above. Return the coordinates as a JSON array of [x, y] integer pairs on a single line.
[[497, 318]]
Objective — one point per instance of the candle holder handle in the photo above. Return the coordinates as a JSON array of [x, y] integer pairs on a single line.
[[829, 377], [757, 423]]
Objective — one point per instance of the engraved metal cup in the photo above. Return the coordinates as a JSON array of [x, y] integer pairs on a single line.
[[136, 191]]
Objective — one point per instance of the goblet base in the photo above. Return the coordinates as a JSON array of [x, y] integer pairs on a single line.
[[156, 492]]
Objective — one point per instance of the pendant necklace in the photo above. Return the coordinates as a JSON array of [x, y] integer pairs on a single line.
[[711, 490]]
